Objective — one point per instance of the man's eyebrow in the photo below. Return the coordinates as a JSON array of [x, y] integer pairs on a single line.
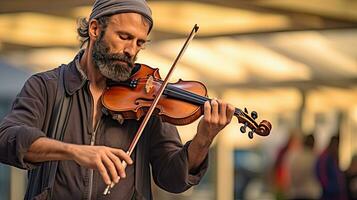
[[131, 36]]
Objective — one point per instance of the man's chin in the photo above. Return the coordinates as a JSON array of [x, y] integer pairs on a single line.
[[127, 67], [117, 77], [116, 72]]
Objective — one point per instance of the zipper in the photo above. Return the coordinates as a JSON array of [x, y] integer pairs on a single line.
[[92, 142], [91, 171]]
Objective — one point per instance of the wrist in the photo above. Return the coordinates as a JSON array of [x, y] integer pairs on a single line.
[[197, 151], [70, 151], [202, 141]]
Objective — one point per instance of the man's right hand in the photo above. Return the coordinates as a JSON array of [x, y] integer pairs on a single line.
[[107, 160]]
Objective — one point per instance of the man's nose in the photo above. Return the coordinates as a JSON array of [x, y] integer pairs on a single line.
[[130, 50]]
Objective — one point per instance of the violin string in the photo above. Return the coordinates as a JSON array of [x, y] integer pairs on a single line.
[[198, 98], [187, 95], [194, 98], [184, 94], [201, 99]]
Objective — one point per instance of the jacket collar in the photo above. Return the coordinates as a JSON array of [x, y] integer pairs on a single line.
[[74, 77]]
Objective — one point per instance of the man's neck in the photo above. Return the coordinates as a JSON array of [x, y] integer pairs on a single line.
[[96, 79]]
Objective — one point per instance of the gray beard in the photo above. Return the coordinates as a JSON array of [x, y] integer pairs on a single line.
[[107, 63], [115, 72]]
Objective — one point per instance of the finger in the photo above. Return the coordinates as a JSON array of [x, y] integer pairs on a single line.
[[103, 172], [214, 114], [122, 155], [230, 112], [110, 167], [207, 111], [119, 167], [222, 113]]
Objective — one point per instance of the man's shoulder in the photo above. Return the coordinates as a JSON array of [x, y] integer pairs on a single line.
[[48, 75], [45, 79]]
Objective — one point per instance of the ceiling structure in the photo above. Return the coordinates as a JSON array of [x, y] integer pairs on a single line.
[[241, 43]]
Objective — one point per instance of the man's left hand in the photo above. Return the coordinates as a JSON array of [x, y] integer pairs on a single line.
[[217, 115]]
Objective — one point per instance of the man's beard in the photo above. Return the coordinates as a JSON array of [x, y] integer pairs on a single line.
[[108, 64]]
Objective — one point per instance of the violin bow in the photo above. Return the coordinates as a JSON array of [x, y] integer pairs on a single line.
[[153, 105]]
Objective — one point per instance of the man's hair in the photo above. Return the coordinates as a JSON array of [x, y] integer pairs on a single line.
[[83, 28]]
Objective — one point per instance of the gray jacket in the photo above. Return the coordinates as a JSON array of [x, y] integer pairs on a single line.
[[159, 146]]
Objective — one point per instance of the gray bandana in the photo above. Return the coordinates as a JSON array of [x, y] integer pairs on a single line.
[[111, 7]]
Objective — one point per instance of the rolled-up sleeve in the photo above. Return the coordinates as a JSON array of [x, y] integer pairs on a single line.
[[22, 126], [169, 160]]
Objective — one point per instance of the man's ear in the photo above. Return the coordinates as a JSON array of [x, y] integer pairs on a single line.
[[93, 30]]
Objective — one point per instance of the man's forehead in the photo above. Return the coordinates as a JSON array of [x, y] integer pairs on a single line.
[[129, 21]]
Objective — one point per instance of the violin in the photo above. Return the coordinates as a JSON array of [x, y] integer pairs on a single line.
[[181, 102]]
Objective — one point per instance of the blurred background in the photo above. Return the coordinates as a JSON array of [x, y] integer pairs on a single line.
[[292, 61]]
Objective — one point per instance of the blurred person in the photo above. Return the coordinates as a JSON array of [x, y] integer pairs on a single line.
[[303, 183], [351, 179], [329, 173], [94, 144], [280, 172]]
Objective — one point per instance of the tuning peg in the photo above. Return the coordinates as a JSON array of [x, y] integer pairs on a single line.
[[245, 110], [243, 129], [254, 115], [250, 134]]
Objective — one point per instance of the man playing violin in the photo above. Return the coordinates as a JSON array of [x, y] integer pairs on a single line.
[[93, 147]]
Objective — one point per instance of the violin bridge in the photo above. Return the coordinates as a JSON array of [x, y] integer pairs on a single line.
[[149, 84]]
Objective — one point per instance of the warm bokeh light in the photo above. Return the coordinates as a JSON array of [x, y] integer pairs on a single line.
[[205, 60], [293, 62], [333, 8], [185, 13], [316, 49], [153, 60], [34, 29], [260, 61]]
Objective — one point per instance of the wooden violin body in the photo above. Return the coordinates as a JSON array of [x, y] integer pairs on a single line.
[[132, 99], [181, 102]]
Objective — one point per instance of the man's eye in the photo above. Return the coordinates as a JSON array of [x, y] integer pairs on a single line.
[[141, 44], [124, 37]]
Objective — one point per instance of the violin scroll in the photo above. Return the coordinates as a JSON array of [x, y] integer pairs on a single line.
[[262, 129]]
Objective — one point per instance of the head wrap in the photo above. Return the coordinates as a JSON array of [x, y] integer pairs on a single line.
[[111, 7]]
